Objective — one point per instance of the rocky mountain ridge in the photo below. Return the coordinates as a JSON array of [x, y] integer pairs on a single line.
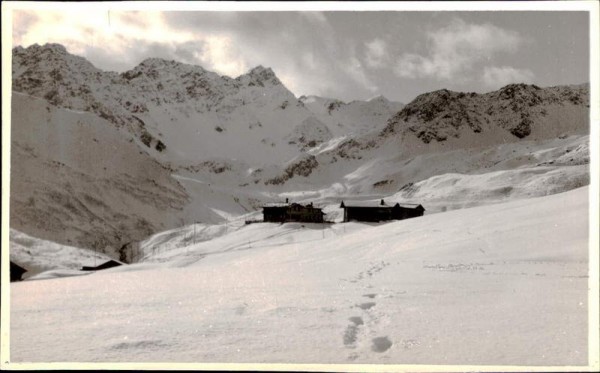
[[515, 108]]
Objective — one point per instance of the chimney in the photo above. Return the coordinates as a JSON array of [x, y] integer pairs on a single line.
[[286, 200], [382, 203]]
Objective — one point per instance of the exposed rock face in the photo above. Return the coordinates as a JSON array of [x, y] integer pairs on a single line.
[[301, 167], [515, 108], [310, 133]]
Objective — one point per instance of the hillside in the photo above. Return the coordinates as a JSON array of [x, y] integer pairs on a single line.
[[78, 180]]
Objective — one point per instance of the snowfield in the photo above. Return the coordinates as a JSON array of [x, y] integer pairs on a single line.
[[504, 284]]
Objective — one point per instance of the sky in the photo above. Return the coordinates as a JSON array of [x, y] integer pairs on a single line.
[[349, 55]]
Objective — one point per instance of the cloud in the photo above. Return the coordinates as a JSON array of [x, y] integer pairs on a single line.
[[222, 55], [356, 72], [454, 50], [376, 54], [317, 17], [114, 40], [496, 77]]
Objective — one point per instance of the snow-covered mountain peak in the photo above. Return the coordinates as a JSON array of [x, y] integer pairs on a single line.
[[259, 76], [48, 47], [154, 62], [380, 98], [260, 70], [47, 57]]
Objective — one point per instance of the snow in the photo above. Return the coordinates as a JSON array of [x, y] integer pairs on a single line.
[[327, 146], [504, 284], [452, 191], [37, 255]]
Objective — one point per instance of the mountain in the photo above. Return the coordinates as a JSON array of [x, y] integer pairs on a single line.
[[356, 117], [103, 159], [525, 111]]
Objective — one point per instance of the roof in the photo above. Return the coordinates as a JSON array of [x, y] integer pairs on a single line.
[[108, 264], [276, 204], [15, 267], [377, 204], [366, 204], [283, 204], [410, 205]]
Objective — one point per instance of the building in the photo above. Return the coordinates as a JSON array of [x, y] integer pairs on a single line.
[[16, 272], [369, 211], [105, 265], [292, 212]]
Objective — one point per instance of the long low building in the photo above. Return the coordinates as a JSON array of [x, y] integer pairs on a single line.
[[382, 211]]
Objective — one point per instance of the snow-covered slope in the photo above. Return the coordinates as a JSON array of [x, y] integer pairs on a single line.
[[504, 284], [352, 173], [43, 256], [356, 117]]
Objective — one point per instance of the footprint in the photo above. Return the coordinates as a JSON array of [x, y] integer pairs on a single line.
[[241, 309], [356, 320], [366, 306], [372, 295], [381, 344], [350, 335]]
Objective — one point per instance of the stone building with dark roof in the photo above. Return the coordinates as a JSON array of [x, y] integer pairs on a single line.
[[292, 212]]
